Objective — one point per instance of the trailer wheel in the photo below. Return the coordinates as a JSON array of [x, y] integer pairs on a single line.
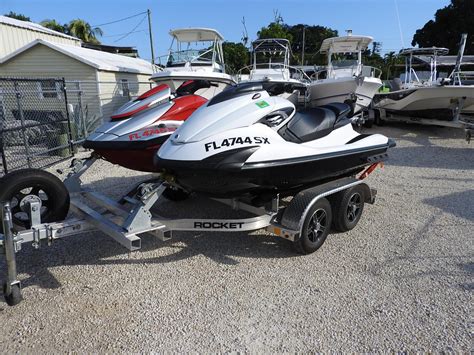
[[348, 206], [14, 297], [377, 119], [20, 186], [175, 194], [316, 227]]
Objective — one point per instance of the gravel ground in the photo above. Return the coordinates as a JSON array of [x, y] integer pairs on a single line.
[[401, 281]]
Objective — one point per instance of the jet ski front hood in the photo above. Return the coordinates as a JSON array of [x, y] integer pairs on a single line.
[[214, 118]]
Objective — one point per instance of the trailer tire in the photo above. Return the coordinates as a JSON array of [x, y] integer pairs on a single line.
[[316, 227], [377, 119], [14, 297], [347, 208], [369, 123], [50, 190], [175, 194]]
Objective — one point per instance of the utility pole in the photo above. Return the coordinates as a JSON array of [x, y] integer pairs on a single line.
[[151, 37], [302, 49]]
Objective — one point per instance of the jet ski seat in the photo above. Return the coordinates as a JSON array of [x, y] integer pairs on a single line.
[[313, 123]]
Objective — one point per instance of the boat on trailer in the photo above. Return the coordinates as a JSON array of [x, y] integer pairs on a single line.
[[345, 78], [271, 63], [195, 54], [427, 96]]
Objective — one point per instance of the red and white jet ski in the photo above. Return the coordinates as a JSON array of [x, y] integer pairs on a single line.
[[137, 130]]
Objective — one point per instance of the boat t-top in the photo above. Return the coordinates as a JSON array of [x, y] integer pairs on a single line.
[[424, 94], [195, 54], [271, 63], [345, 79]]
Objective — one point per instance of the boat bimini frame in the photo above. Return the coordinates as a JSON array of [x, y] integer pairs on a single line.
[[180, 52], [127, 219], [271, 49]]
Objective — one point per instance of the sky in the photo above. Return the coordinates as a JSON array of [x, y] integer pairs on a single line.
[[376, 18]]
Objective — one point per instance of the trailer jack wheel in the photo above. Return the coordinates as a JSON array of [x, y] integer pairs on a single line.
[[14, 297]]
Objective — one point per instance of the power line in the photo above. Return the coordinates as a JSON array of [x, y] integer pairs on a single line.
[[122, 19], [129, 33], [121, 34]]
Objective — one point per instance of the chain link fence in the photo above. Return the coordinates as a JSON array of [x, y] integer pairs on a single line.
[[43, 120]]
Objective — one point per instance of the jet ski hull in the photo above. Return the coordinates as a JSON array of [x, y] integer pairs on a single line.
[[227, 175], [133, 143]]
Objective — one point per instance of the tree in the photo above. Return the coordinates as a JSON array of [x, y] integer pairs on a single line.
[[236, 56], [448, 25], [314, 36], [276, 29], [20, 17], [55, 26], [390, 60], [84, 31]]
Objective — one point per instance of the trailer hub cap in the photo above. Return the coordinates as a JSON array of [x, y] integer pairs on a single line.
[[22, 199], [24, 203], [317, 225], [353, 207]]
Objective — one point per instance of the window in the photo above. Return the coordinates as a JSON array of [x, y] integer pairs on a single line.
[[125, 88], [49, 89]]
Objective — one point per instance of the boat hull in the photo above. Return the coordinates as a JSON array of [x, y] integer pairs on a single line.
[[361, 89], [437, 102]]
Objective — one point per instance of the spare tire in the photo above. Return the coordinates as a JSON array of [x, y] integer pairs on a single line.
[[19, 186]]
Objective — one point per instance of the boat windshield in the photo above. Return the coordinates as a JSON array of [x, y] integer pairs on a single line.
[[340, 61], [190, 55], [196, 53], [270, 59]]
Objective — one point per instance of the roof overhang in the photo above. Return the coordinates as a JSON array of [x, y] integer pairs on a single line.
[[345, 44], [32, 26], [62, 49], [196, 34]]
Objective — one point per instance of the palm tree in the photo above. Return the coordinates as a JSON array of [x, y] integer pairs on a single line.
[[54, 25], [84, 31], [390, 61]]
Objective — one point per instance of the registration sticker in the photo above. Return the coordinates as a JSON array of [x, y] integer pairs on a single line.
[[262, 104]]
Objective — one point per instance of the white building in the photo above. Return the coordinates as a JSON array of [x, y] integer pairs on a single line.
[[105, 80], [14, 34]]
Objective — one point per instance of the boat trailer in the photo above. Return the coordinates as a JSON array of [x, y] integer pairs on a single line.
[[379, 115], [126, 220]]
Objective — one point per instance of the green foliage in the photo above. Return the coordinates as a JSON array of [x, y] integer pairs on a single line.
[[16, 16], [236, 56], [275, 30], [55, 26], [84, 31], [446, 29], [314, 36], [390, 70]]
